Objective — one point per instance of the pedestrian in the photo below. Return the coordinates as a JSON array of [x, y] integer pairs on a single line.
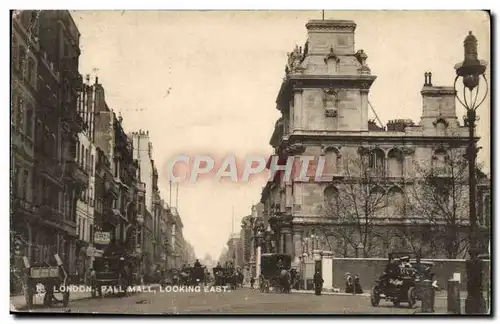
[[318, 283], [252, 282]]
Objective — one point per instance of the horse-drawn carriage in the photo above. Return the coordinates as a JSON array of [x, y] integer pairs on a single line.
[[112, 274], [46, 279], [226, 276], [275, 272], [400, 281]]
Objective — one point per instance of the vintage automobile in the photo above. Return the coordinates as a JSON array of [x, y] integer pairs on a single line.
[[275, 272], [400, 286]]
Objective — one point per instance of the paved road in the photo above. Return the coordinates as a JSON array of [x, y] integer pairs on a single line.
[[240, 301]]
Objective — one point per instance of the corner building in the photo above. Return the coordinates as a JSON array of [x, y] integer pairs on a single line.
[[324, 105]]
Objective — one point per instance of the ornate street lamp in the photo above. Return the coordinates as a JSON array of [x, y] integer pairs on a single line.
[[472, 70]]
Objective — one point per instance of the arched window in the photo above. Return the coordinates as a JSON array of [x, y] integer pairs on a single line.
[[332, 162], [395, 161], [395, 203], [376, 202], [441, 126], [331, 196], [376, 162], [440, 160]]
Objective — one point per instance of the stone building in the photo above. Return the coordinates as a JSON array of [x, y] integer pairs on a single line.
[[47, 180], [178, 243], [86, 156], [245, 244], [364, 202], [24, 76]]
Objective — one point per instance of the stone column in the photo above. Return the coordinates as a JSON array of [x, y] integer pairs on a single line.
[[257, 264], [289, 247], [327, 269], [282, 243], [297, 106], [316, 255], [364, 109], [297, 244]]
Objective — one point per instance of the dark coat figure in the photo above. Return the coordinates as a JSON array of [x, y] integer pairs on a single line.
[[357, 285], [252, 282], [318, 283]]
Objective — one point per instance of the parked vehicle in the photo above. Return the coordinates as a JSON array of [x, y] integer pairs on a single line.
[[112, 273], [398, 283], [275, 272]]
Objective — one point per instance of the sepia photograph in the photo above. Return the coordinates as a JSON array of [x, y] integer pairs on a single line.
[[250, 162]]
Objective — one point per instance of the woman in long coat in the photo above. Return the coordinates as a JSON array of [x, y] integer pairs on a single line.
[[318, 283]]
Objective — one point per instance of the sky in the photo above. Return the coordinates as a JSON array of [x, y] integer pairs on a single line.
[[205, 82]]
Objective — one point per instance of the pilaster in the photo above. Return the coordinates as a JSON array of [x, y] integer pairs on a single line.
[[327, 270]]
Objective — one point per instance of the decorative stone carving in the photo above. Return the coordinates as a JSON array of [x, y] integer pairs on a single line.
[[440, 120], [296, 148], [325, 148], [363, 150], [407, 150], [361, 57], [295, 59], [331, 56], [330, 100]]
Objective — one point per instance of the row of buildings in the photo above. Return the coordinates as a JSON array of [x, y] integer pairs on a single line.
[[80, 184], [400, 186]]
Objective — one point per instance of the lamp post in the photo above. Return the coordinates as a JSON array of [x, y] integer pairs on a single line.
[[472, 70]]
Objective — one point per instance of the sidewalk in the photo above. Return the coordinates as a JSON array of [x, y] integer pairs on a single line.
[[18, 302], [439, 295]]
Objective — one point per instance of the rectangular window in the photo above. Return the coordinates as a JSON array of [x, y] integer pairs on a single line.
[[25, 185], [84, 225], [77, 152], [29, 121], [82, 155], [92, 165], [31, 72], [86, 163], [19, 110], [15, 52], [16, 178], [91, 233], [22, 59]]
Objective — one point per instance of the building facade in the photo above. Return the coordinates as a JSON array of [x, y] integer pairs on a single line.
[[46, 179], [86, 157], [80, 186], [370, 196]]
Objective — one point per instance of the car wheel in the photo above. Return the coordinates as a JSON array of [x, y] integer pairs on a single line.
[[375, 297], [411, 297]]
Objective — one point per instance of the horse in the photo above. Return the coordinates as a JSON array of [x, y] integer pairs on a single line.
[[285, 281]]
